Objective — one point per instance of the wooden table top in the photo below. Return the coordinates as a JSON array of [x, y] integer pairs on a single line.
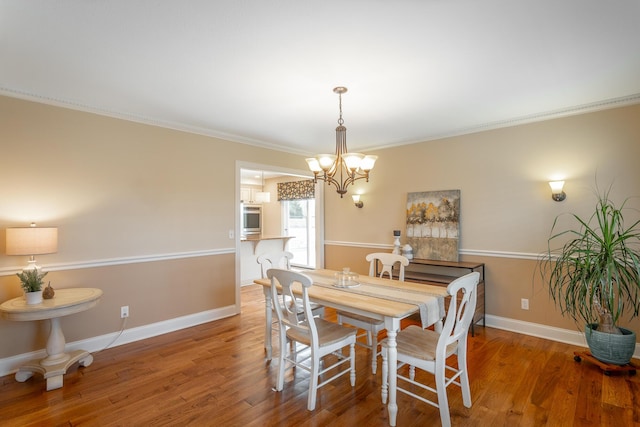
[[65, 302], [382, 307]]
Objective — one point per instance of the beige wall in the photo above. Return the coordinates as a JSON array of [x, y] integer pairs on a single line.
[[154, 292], [506, 206], [119, 192], [272, 215]]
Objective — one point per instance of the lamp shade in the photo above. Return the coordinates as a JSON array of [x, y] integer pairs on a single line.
[[368, 162], [352, 160], [556, 186], [263, 197], [326, 161], [32, 240]]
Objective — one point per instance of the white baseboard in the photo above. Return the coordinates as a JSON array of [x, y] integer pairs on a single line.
[[542, 331], [11, 364]]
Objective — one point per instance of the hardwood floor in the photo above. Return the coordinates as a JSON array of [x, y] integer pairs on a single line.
[[215, 375]]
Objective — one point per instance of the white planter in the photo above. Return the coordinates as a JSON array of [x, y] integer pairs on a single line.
[[33, 297]]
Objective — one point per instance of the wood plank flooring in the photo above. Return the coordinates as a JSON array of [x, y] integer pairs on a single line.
[[215, 375]]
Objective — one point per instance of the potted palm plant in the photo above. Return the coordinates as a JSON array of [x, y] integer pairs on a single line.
[[594, 277], [31, 282]]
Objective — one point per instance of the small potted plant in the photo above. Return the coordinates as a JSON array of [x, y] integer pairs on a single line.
[[594, 277], [31, 282]]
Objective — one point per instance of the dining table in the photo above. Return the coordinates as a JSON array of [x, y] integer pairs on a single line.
[[378, 298]]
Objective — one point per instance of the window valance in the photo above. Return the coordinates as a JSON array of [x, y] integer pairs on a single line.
[[296, 190]]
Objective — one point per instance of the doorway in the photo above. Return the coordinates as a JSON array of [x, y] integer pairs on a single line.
[[299, 221], [304, 221]]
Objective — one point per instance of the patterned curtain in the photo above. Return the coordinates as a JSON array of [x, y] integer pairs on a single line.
[[296, 190]]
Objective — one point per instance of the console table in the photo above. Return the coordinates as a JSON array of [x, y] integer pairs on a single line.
[[64, 303], [442, 273]]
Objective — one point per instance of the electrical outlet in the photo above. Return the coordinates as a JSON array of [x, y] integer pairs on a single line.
[[524, 304], [124, 311]]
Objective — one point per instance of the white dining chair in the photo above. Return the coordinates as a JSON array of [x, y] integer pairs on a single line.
[[372, 327], [277, 259], [429, 350], [280, 259], [388, 261], [316, 337]]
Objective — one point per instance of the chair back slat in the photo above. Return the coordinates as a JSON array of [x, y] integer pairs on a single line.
[[278, 259], [284, 301], [387, 260], [460, 314]]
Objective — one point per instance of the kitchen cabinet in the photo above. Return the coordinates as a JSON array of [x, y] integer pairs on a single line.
[[248, 195]]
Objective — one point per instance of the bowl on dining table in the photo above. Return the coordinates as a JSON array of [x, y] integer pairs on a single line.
[[346, 279]]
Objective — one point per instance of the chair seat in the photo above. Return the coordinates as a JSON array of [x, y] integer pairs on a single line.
[[300, 307], [328, 333], [317, 309], [419, 343], [314, 306]]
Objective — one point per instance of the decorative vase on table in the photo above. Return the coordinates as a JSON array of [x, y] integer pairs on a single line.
[[31, 282], [397, 247], [48, 292], [33, 297], [407, 251]]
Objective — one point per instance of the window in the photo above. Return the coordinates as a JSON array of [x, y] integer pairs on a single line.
[[299, 221]]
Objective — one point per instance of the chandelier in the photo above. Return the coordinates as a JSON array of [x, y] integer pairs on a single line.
[[342, 168]]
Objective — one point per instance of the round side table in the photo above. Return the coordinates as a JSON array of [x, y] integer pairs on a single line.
[[57, 361]]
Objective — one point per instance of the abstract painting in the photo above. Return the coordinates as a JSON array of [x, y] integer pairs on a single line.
[[433, 224]]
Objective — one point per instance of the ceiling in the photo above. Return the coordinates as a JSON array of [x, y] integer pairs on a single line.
[[262, 72]]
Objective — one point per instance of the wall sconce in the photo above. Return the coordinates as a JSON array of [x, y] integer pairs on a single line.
[[556, 190], [357, 201]]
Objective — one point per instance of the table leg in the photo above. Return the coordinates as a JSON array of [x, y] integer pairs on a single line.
[[268, 312], [53, 373], [393, 326], [55, 345]]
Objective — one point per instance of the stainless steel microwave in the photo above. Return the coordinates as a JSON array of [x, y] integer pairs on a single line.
[[251, 219]]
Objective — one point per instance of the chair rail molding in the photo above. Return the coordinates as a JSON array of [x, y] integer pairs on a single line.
[[8, 271], [478, 252]]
